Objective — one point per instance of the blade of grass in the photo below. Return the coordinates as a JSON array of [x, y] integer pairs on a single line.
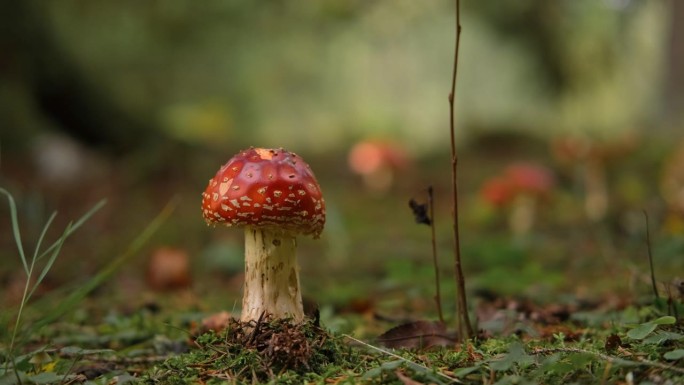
[[29, 269], [76, 225], [80, 293], [28, 293], [15, 228], [50, 261], [42, 235], [414, 365], [650, 258]]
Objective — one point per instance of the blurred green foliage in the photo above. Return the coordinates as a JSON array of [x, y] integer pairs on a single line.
[[320, 73]]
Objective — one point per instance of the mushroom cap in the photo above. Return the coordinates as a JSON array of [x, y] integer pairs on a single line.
[[530, 178], [497, 191], [266, 188]]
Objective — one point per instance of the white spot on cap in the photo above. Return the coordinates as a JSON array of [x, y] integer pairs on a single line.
[[223, 187]]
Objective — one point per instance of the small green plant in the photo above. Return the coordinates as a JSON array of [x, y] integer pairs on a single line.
[[31, 265], [641, 331]]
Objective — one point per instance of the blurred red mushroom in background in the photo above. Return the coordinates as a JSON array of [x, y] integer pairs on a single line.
[[497, 191], [587, 160], [519, 189], [530, 178], [377, 162], [168, 269]]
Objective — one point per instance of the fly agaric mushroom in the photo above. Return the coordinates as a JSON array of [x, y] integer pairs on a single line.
[[274, 195], [589, 160], [530, 182], [520, 186], [377, 162]]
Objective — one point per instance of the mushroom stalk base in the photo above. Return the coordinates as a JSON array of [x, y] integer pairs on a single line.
[[271, 276]]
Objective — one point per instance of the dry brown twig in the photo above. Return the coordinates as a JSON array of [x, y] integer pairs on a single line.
[[438, 292], [465, 329]]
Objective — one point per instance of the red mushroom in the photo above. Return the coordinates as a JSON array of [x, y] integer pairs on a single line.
[[519, 188], [530, 178], [377, 162], [589, 160], [274, 195], [531, 183], [497, 191]]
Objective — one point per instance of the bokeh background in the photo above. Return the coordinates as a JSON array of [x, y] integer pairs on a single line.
[[140, 102]]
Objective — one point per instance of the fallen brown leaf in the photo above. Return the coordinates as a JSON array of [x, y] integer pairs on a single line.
[[417, 335]]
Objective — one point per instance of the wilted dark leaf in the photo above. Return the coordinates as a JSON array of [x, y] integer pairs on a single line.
[[420, 212], [417, 335], [612, 342]]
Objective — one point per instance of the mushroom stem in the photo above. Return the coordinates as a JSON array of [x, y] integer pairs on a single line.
[[271, 276]]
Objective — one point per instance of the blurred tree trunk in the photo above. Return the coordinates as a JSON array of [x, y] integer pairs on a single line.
[[675, 71], [58, 90]]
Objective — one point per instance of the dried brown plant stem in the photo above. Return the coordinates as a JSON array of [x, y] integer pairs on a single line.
[[650, 258], [465, 329], [438, 290]]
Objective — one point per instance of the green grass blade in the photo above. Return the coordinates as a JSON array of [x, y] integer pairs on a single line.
[[81, 292], [15, 229], [76, 225], [50, 261], [42, 234]]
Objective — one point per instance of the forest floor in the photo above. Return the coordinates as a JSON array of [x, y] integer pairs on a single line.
[[568, 299]]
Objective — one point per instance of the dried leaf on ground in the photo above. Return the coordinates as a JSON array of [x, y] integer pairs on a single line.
[[417, 335]]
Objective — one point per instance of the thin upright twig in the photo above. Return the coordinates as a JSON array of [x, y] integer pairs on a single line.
[[465, 329], [438, 291], [650, 258]]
